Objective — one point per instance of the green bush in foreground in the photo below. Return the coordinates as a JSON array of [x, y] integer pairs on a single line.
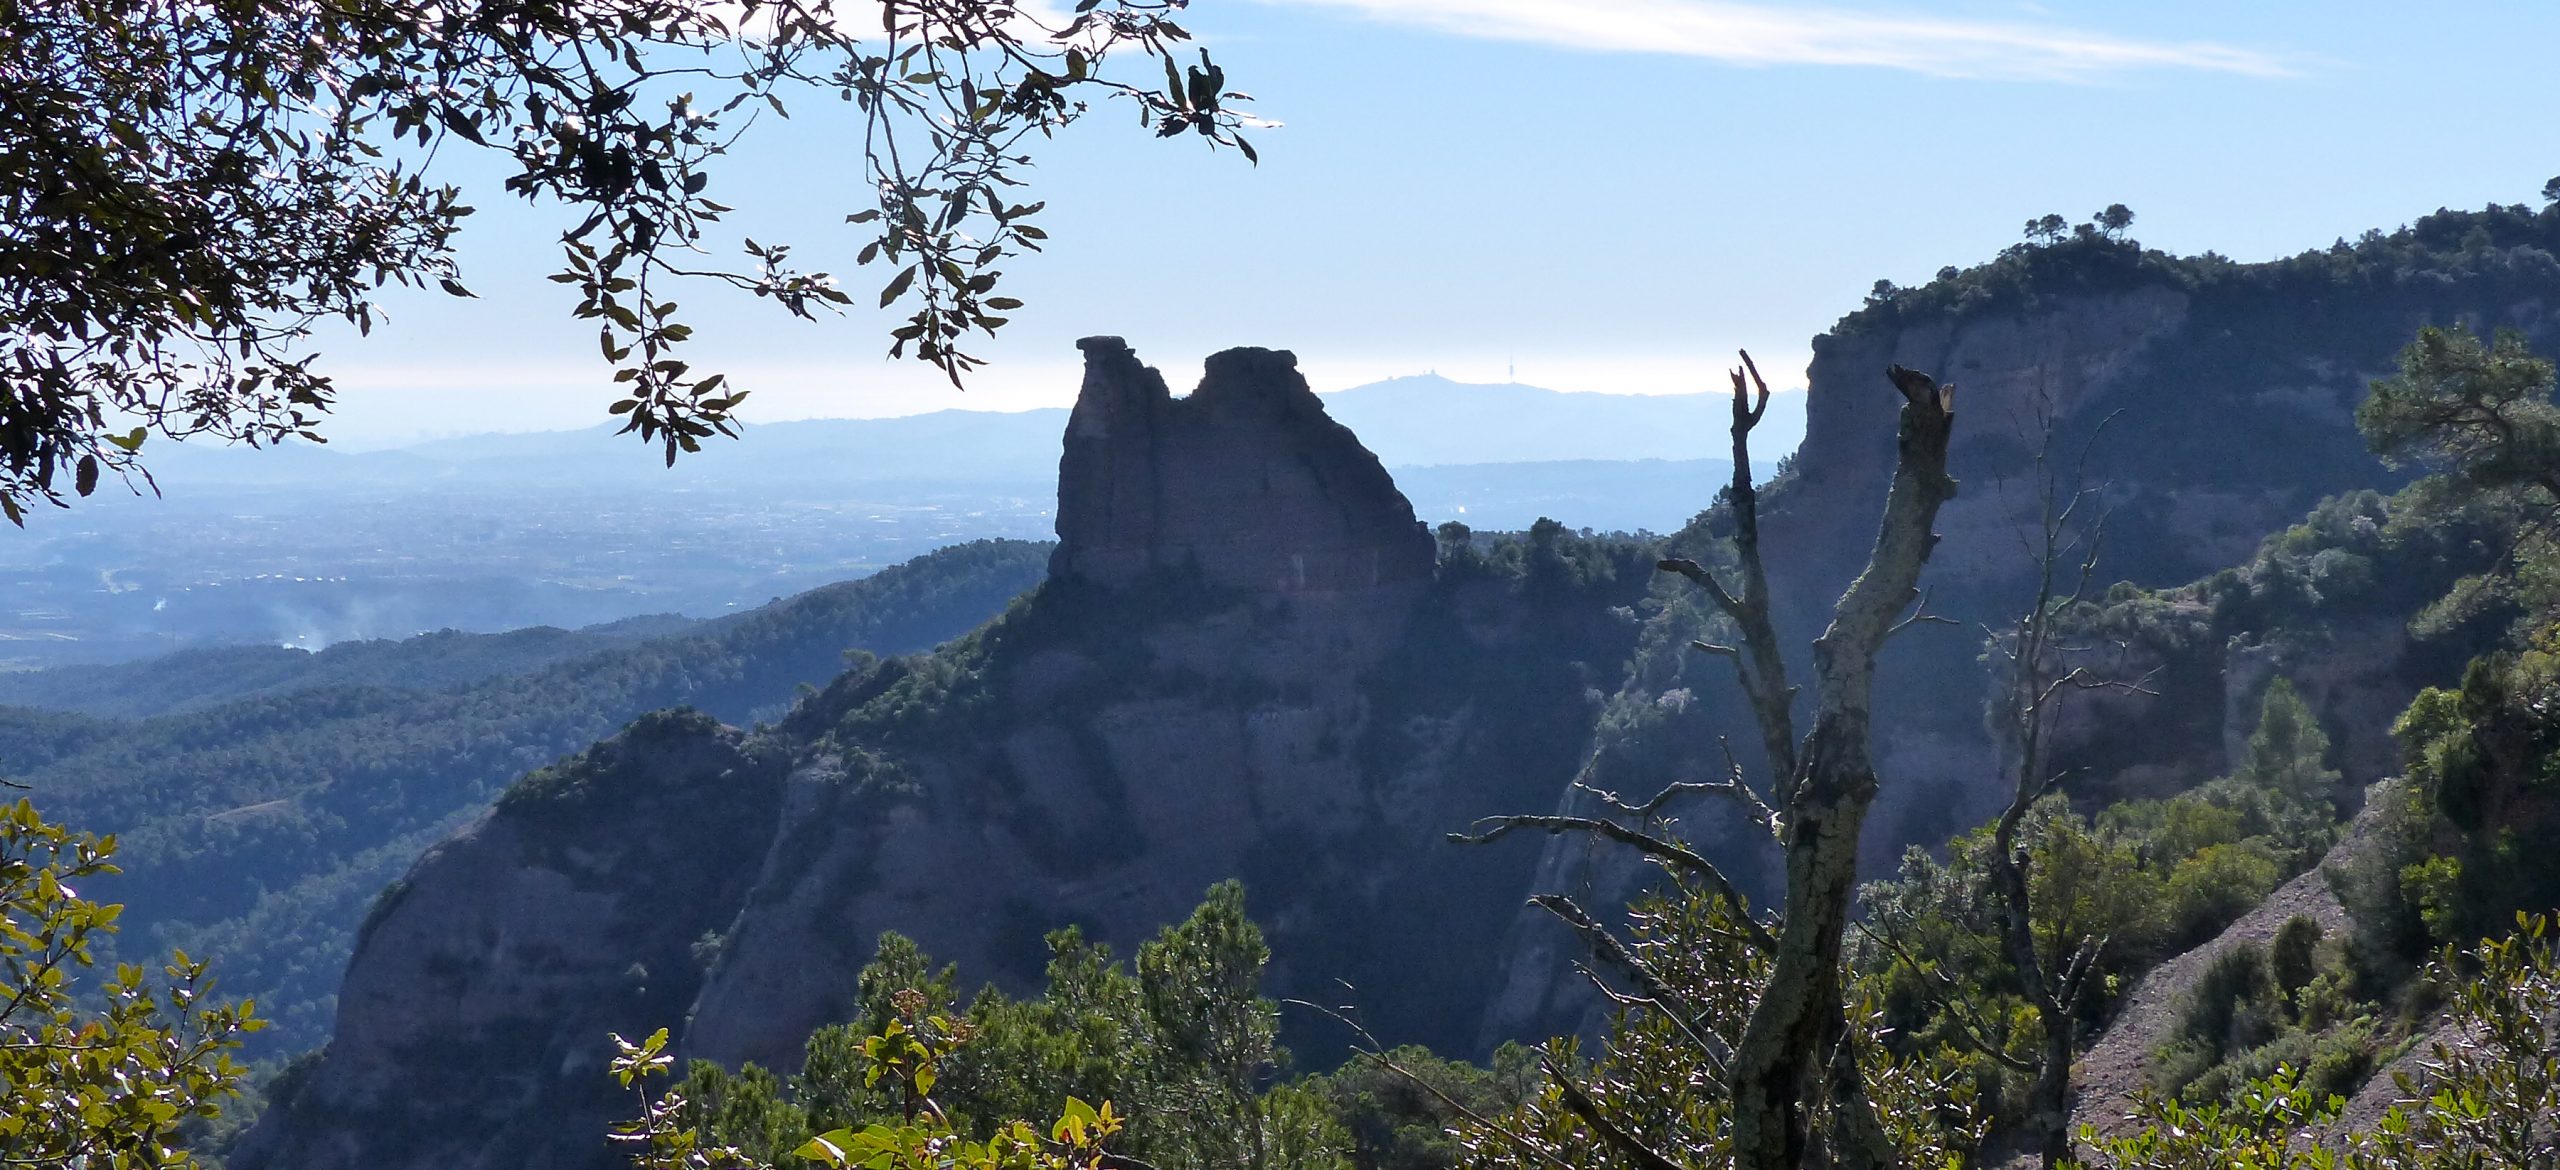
[[104, 1088]]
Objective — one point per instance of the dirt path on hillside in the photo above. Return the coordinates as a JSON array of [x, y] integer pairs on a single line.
[[2114, 1070]]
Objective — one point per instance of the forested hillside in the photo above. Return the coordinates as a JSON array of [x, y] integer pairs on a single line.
[[257, 829], [1248, 660], [193, 679]]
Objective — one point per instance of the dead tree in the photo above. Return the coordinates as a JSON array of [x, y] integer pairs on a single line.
[[1794, 1046], [2063, 549], [1793, 1062]]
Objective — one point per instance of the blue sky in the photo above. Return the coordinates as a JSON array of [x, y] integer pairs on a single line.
[[1607, 195]]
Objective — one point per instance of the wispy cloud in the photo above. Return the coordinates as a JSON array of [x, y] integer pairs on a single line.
[[1768, 34]]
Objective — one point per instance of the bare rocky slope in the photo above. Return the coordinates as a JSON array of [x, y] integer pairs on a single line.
[[1245, 662], [2112, 1073]]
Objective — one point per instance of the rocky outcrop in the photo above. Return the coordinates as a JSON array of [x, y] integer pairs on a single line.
[[2208, 404], [474, 1014], [1244, 664], [2063, 359], [1245, 482], [1238, 565]]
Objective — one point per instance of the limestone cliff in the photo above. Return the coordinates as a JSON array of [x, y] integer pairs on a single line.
[[1244, 663], [2215, 404]]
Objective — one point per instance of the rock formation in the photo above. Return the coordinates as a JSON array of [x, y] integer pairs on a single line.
[[1243, 664], [2216, 406], [1245, 481], [472, 1017]]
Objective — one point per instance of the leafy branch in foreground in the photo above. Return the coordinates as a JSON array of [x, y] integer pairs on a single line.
[[907, 1055], [97, 1088], [188, 190]]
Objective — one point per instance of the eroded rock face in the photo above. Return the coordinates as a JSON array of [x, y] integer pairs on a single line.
[[473, 1017], [2210, 416], [1244, 664], [1246, 481], [1235, 564]]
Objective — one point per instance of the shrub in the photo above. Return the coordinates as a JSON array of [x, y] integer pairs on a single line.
[[2294, 955], [2220, 883]]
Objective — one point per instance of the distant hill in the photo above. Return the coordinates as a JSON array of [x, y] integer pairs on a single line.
[[1422, 421], [1429, 421], [1605, 495], [309, 546], [257, 825], [190, 679]]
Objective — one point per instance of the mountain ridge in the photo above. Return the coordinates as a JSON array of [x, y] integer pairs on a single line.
[[1248, 657], [1415, 421], [256, 828]]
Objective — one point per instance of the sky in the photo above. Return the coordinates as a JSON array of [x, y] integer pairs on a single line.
[[1586, 195]]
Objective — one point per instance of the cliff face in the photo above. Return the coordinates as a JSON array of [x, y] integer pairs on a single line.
[[1243, 664], [2204, 413], [1188, 694], [2208, 405], [473, 1015]]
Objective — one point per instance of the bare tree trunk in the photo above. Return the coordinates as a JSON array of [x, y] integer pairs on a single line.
[[1795, 1059], [2063, 542], [2049, 1098], [1777, 1067]]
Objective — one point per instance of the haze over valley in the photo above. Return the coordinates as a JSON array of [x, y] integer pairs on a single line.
[[304, 546]]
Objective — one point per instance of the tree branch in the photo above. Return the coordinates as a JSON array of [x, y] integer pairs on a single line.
[[1733, 787], [1582, 1106], [1920, 615], [1762, 667], [1666, 853], [1657, 994], [1706, 580], [1944, 995]]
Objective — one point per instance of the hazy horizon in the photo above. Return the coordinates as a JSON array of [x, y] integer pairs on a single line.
[[1782, 430], [1417, 211]]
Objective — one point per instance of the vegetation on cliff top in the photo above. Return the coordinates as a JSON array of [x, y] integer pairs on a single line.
[[2509, 246]]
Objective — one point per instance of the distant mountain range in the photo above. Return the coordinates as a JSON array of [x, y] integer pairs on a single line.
[[1424, 421], [305, 546], [1430, 421]]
